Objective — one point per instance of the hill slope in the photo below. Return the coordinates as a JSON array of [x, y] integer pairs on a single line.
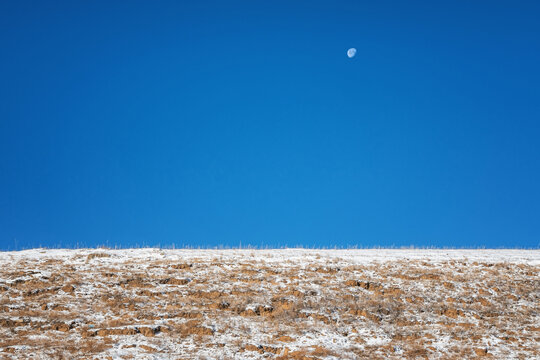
[[286, 304]]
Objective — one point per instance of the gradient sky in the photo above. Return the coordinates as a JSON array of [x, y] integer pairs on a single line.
[[199, 123]]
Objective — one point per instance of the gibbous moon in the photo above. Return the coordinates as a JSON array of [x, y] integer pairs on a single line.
[[351, 52]]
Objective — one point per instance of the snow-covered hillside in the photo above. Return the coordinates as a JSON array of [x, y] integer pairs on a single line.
[[282, 304]]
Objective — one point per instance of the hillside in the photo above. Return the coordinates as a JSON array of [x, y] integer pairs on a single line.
[[271, 304]]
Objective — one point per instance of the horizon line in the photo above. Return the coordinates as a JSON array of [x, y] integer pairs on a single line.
[[249, 247]]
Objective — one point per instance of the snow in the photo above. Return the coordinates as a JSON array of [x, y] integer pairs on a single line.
[[104, 299]]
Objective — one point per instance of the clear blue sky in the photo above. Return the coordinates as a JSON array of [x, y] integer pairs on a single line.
[[200, 123]]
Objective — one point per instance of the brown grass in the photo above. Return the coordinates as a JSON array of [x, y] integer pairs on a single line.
[[262, 310]]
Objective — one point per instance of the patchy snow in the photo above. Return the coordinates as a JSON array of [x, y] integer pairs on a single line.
[[287, 303]]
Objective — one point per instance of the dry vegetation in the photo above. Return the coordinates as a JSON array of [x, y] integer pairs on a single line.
[[284, 304]]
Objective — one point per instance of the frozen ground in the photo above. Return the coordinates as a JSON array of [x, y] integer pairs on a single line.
[[255, 304]]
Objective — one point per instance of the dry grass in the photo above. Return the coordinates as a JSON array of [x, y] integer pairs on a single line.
[[100, 305]]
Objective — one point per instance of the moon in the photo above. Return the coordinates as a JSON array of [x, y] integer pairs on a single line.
[[351, 52]]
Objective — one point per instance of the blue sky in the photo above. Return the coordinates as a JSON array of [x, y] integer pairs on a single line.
[[244, 122]]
